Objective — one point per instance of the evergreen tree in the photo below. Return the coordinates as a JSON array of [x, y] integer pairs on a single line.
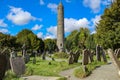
[[108, 29]]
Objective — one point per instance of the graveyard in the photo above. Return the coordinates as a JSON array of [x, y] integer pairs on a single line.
[[88, 52]]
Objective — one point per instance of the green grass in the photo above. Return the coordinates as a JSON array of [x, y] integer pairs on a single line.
[[81, 74], [44, 69], [61, 55], [11, 76], [62, 78]]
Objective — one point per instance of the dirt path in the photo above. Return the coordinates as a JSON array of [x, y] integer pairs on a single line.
[[105, 72]]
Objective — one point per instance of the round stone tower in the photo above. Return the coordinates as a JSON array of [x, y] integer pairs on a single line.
[[60, 28]]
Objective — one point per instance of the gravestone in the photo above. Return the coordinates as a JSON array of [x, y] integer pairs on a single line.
[[103, 55], [24, 50], [17, 65], [85, 56], [43, 56], [98, 54], [34, 60], [114, 60], [3, 65], [76, 56], [13, 54], [71, 58], [27, 58], [90, 55]]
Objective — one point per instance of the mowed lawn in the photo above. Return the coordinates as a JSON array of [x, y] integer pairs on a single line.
[[47, 68]]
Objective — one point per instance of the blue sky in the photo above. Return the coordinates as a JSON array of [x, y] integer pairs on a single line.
[[40, 16]]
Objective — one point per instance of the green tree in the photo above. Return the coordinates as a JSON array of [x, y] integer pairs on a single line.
[[50, 45], [108, 29], [30, 39]]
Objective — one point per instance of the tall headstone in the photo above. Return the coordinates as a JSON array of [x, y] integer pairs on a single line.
[[98, 54], [71, 58], [103, 55], [85, 56], [76, 56], [24, 50], [60, 28], [3, 65]]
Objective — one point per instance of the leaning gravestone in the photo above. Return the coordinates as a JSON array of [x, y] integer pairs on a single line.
[[114, 60], [3, 65], [17, 65]]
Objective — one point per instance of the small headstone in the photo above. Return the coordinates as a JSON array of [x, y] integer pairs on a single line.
[[53, 59], [17, 65], [34, 60], [49, 63], [85, 59], [98, 54], [3, 65], [27, 58]]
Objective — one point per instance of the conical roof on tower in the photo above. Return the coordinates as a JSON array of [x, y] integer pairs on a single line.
[[60, 4]]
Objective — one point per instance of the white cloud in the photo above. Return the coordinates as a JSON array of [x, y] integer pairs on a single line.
[[40, 35], [93, 4], [93, 32], [4, 30], [70, 25], [37, 27], [68, 1], [74, 24], [53, 7], [96, 19], [51, 36], [20, 17], [52, 29], [42, 2], [2, 24], [107, 2]]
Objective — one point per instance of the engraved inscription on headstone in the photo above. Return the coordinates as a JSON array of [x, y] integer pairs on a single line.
[[17, 65]]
